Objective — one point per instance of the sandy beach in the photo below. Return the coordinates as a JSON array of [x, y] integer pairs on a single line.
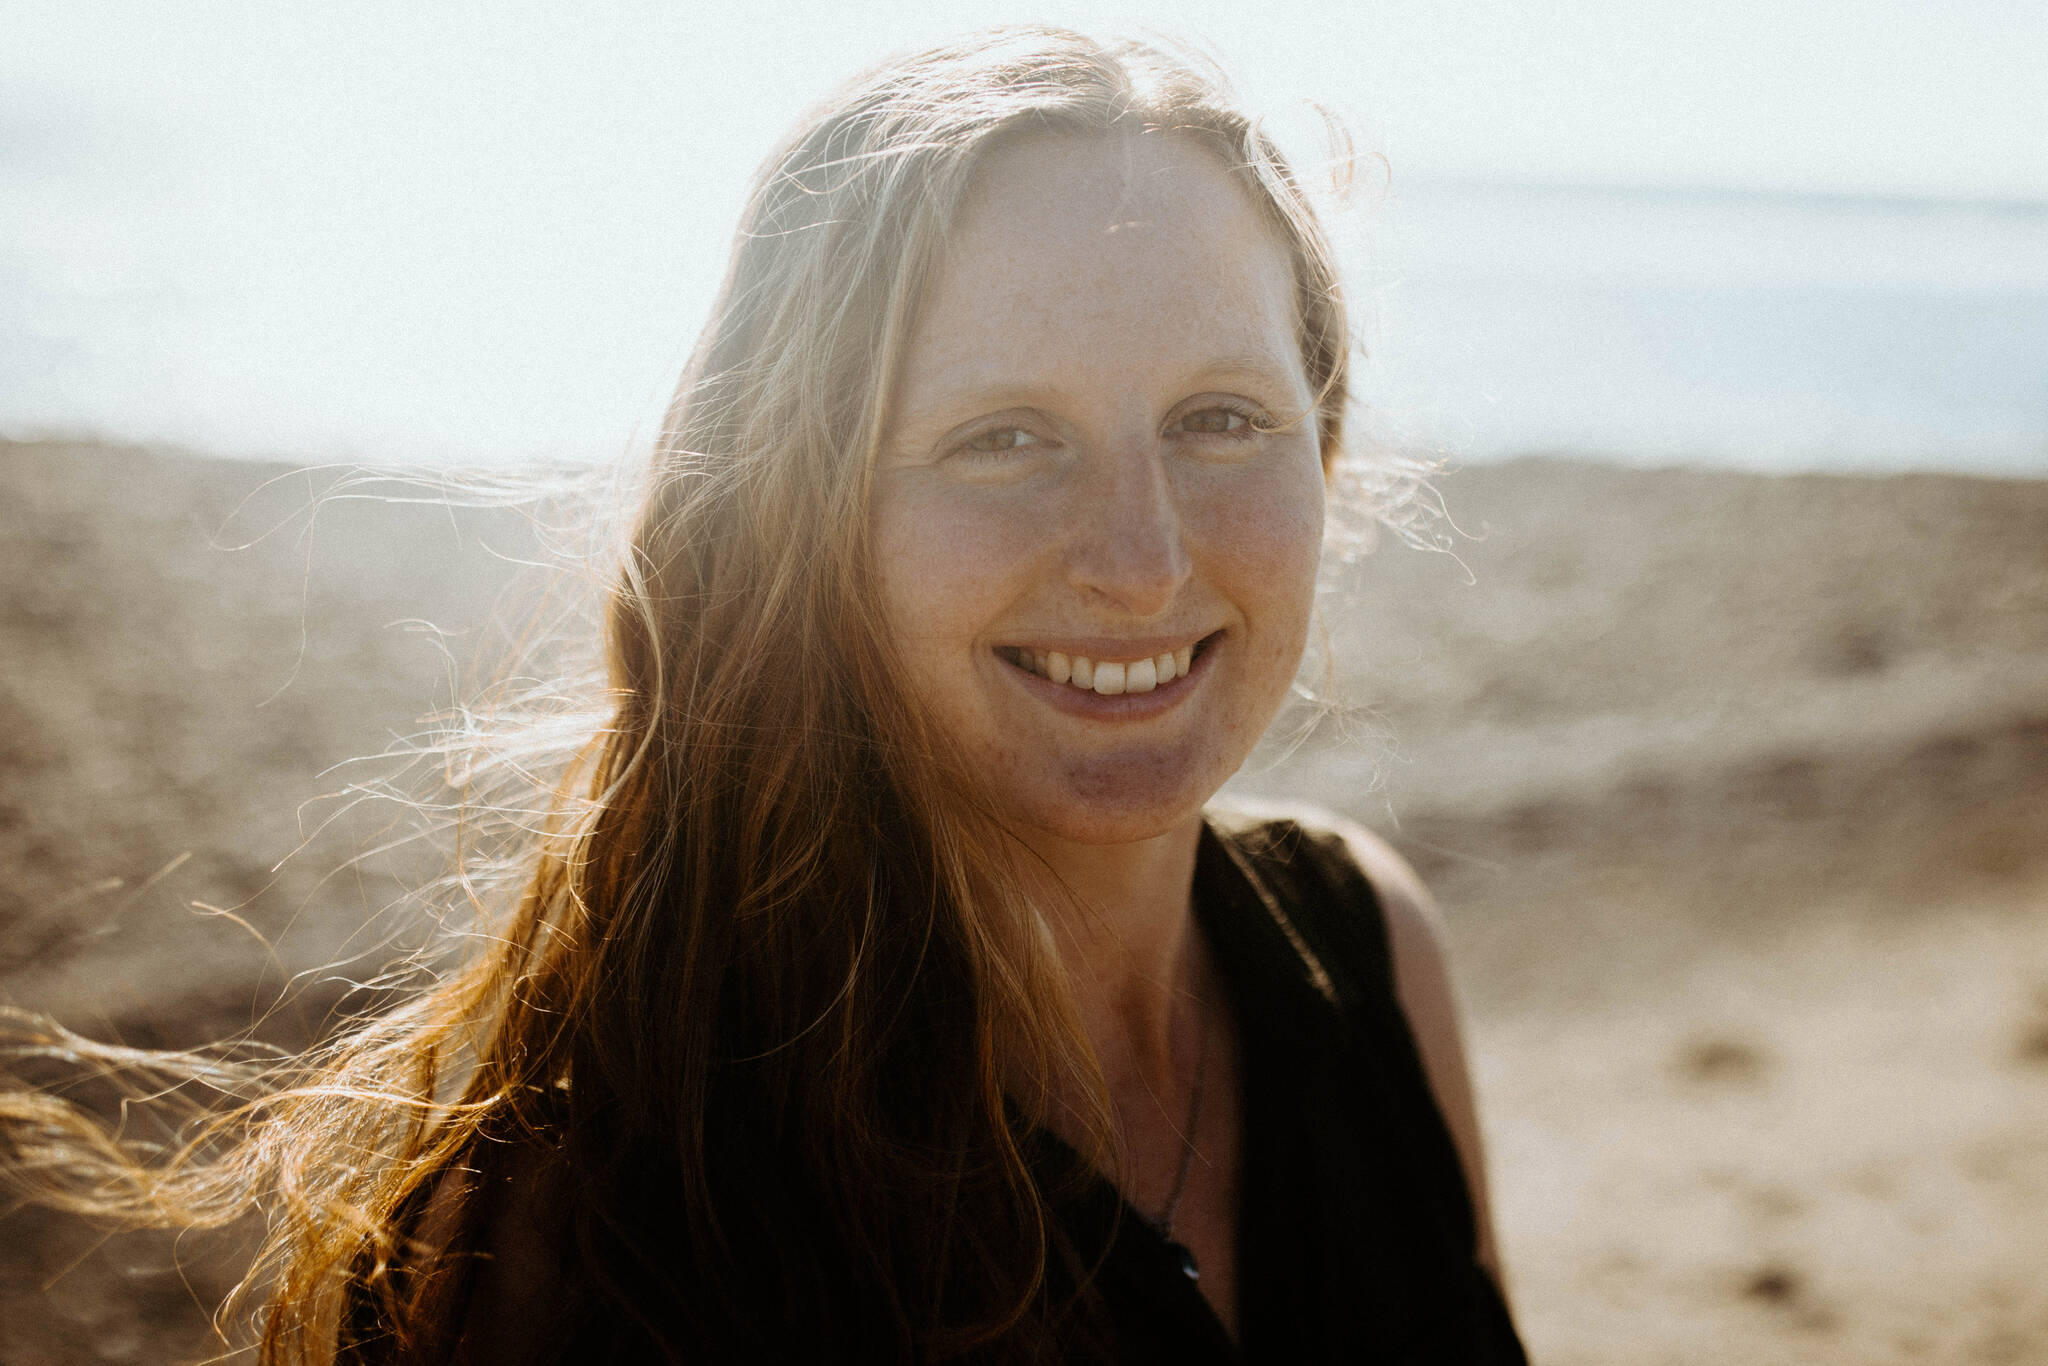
[[1733, 787]]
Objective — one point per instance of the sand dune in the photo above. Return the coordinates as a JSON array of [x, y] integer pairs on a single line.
[[1735, 790]]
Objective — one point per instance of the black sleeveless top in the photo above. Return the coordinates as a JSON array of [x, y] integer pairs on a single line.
[[1356, 1235]]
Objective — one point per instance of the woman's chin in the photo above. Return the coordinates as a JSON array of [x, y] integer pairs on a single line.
[[1124, 803]]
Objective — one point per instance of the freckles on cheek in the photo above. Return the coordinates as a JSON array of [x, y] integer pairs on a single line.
[[948, 561], [1273, 533]]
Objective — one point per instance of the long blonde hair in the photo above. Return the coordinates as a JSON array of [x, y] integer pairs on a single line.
[[766, 964]]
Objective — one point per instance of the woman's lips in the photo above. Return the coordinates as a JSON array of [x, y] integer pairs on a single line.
[[1109, 674]]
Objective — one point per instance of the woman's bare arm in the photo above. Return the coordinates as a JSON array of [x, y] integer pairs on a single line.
[[1422, 979]]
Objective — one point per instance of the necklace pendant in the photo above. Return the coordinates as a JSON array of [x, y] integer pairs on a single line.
[[1186, 1257]]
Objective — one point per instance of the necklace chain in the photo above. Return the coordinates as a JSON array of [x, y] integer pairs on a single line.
[[1164, 1223]]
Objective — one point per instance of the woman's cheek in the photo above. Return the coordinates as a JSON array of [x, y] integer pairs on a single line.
[[951, 555], [1263, 521]]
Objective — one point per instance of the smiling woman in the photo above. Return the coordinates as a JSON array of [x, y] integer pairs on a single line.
[[1104, 453], [882, 989]]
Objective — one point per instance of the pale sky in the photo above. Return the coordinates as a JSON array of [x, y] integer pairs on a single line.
[[380, 210]]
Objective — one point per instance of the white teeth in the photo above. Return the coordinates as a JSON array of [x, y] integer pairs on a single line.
[[1107, 677]]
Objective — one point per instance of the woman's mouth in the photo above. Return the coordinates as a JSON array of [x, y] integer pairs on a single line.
[[1108, 677]]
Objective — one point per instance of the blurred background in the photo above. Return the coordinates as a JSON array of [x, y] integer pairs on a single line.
[[1720, 728]]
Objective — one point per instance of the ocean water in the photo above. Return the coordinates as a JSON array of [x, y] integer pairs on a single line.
[[1769, 331], [1762, 331]]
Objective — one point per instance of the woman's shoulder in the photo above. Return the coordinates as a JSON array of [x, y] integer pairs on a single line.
[[1341, 874], [1418, 979], [1354, 899]]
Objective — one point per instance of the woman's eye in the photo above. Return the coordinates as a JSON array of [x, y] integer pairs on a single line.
[[1217, 422], [1000, 440]]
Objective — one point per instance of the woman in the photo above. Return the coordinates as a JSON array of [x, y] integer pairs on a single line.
[[880, 991]]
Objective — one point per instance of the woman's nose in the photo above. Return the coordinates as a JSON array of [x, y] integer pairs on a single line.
[[1128, 550]]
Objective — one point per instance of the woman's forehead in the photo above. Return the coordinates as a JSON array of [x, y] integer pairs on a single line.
[[1105, 197], [1144, 245]]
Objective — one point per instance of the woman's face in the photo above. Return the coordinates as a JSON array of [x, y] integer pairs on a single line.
[[1101, 469]]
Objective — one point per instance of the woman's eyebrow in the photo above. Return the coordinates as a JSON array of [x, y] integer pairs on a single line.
[[940, 397], [942, 410], [1257, 366], [937, 407]]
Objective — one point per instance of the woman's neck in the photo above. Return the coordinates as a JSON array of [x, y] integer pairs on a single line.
[[1125, 930]]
